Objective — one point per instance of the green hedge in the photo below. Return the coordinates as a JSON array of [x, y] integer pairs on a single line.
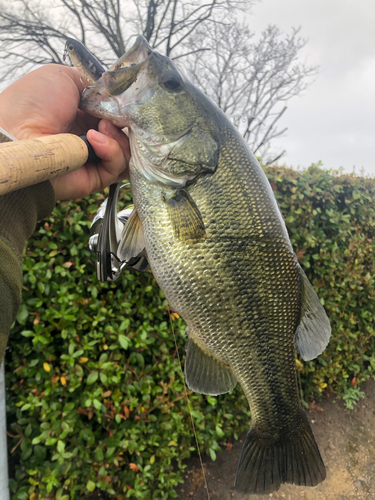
[[331, 222], [94, 387]]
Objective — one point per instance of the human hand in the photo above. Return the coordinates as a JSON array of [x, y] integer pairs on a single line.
[[45, 102]]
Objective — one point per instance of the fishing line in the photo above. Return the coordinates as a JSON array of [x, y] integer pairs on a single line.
[[298, 378], [190, 407]]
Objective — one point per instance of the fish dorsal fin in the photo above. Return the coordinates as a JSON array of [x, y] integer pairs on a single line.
[[314, 331], [132, 241], [197, 148], [205, 374], [185, 216]]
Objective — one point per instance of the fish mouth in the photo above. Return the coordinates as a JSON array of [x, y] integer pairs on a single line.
[[101, 98], [125, 72], [96, 101], [137, 53]]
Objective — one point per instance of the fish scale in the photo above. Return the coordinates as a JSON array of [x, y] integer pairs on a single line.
[[219, 249]]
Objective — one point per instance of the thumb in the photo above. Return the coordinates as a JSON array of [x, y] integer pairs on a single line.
[[114, 157]]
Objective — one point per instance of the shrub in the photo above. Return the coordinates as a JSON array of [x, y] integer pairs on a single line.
[[95, 392]]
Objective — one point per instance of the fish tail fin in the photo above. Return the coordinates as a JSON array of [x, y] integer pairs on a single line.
[[264, 464]]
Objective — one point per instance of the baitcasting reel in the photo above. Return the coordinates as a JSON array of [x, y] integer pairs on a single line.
[[107, 230]]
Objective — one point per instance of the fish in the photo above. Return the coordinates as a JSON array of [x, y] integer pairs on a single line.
[[86, 63], [219, 249]]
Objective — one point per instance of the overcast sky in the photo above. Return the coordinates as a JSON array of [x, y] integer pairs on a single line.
[[334, 120]]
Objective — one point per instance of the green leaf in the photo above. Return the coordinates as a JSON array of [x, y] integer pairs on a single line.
[[23, 313], [50, 441], [97, 404], [26, 454], [90, 486], [219, 431], [92, 378], [112, 442], [40, 453], [124, 341], [60, 447], [37, 440], [99, 455], [27, 333]]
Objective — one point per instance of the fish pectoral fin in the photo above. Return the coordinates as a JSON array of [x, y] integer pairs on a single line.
[[205, 374], [185, 216], [132, 241], [314, 331]]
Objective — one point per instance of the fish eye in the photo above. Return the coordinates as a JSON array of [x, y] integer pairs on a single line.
[[172, 81]]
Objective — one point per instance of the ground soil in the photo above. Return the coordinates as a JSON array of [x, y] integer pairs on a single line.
[[346, 440]]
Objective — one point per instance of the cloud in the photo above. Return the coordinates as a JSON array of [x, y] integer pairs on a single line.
[[334, 121]]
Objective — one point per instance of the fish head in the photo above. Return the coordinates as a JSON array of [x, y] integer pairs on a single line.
[[166, 115]]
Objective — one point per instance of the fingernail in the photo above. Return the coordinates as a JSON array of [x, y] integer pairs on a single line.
[[98, 137]]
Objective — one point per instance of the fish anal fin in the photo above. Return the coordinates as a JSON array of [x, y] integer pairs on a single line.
[[265, 463], [205, 374], [314, 330], [185, 216], [132, 241]]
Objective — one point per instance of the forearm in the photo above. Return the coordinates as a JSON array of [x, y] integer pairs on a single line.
[[10, 289], [19, 213]]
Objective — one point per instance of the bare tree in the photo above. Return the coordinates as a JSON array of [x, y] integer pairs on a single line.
[[250, 80], [172, 23], [31, 33]]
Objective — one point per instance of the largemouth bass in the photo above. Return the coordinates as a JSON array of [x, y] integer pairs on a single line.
[[219, 249]]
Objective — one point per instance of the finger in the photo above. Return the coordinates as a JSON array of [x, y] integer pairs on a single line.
[[94, 177], [113, 164], [107, 128], [84, 122], [73, 73]]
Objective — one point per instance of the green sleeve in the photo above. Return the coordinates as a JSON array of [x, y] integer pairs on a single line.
[[19, 213]]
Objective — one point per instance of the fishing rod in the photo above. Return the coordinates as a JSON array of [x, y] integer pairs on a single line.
[[27, 162]]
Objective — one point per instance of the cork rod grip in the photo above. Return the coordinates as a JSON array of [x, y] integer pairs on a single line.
[[28, 162]]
